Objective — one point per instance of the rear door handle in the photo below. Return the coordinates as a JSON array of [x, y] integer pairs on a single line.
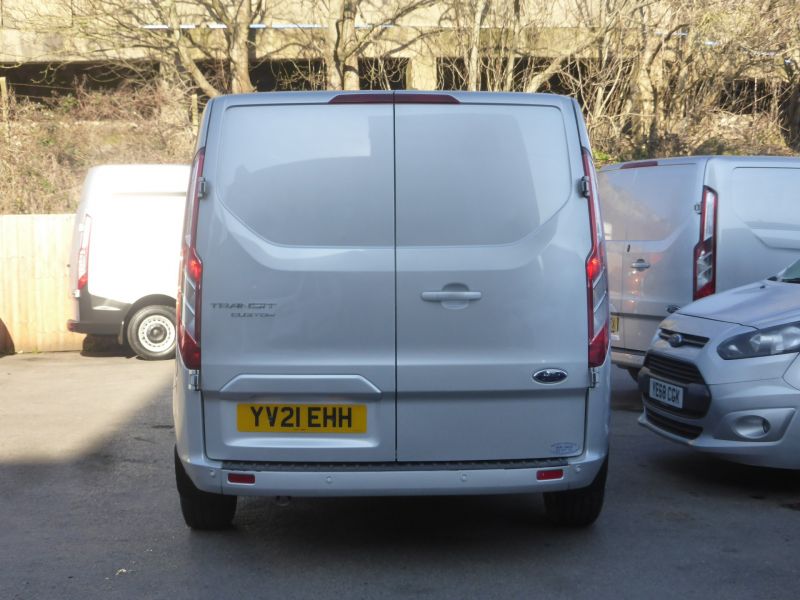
[[640, 264], [450, 296]]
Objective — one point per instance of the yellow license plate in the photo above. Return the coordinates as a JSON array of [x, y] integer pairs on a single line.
[[301, 418], [614, 323]]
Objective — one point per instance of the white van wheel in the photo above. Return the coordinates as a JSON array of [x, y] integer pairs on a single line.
[[151, 332]]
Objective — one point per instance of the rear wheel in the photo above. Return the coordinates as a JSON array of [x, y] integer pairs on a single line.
[[578, 508], [202, 510], [151, 332]]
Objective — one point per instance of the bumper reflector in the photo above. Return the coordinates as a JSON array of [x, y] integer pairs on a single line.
[[549, 474], [247, 478]]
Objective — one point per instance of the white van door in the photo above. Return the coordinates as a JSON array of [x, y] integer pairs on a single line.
[[492, 241], [296, 236]]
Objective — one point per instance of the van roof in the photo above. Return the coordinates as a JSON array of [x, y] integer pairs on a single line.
[[385, 96], [692, 160]]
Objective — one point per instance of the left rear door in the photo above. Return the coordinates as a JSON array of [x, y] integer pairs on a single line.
[[298, 306]]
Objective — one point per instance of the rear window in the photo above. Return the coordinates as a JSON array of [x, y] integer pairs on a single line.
[[309, 175], [647, 203], [479, 175]]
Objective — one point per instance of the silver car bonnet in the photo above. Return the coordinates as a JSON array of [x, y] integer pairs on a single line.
[[761, 304]]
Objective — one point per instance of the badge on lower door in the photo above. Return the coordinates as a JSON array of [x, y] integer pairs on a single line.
[[550, 376]]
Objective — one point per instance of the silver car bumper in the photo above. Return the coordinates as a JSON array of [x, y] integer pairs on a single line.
[[750, 422]]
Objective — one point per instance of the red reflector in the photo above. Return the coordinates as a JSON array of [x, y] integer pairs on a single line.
[[241, 478], [549, 474]]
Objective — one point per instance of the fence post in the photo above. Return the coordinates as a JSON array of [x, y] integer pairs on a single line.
[[4, 101], [195, 111]]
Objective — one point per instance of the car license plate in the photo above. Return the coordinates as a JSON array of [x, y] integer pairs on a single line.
[[301, 418], [666, 393], [615, 324]]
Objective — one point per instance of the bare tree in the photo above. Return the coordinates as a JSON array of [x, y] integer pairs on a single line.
[[182, 36], [344, 31]]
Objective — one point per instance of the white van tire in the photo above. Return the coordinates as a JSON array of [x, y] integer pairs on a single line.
[[151, 332], [200, 509], [581, 507]]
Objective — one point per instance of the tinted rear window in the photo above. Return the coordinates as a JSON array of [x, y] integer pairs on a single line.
[[310, 175], [647, 203], [474, 175]]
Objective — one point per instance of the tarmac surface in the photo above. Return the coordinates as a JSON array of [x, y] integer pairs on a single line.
[[88, 509]]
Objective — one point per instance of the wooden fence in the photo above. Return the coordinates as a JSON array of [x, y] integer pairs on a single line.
[[34, 283]]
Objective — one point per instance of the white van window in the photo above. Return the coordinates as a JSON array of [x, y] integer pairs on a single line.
[[766, 198], [479, 175], [647, 203], [309, 175]]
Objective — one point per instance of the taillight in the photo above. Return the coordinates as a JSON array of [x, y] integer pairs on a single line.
[[191, 273], [706, 249], [83, 252], [596, 273]]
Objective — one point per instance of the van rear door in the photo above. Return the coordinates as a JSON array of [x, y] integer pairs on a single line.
[[492, 241], [296, 236], [654, 205]]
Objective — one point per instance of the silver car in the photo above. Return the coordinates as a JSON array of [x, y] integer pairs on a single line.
[[723, 375]]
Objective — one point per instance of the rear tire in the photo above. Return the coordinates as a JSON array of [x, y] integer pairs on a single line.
[[151, 332], [202, 510], [581, 507]]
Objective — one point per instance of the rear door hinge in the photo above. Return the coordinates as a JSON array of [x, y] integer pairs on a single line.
[[202, 187], [194, 381], [593, 378], [584, 183]]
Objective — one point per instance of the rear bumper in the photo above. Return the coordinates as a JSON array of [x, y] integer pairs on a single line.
[[212, 477], [93, 327], [97, 315]]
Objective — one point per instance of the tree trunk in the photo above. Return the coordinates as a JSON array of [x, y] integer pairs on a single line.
[[474, 57], [341, 61], [240, 48]]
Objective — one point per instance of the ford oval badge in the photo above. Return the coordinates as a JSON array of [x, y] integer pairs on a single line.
[[550, 376]]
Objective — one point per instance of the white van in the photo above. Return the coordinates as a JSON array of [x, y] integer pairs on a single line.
[[125, 255], [680, 229], [392, 294]]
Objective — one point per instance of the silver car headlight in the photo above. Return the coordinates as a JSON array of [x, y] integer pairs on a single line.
[[781, 339]]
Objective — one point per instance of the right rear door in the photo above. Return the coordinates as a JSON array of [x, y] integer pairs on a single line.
[[492, 239]]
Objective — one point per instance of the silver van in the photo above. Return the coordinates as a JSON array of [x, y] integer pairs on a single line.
[[680, 229], [392, 294]]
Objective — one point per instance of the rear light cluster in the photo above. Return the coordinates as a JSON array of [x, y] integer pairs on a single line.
[[83, 253], [191, 273], [596, 273], [706, 249]]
